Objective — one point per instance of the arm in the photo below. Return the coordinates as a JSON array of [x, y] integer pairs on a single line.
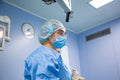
[[27, 75], [54, 69]]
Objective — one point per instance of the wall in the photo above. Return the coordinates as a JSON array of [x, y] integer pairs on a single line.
[[100, 58], [72, 43], [15, 51]]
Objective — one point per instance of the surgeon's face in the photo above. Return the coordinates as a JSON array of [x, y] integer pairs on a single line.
[[59, 32]]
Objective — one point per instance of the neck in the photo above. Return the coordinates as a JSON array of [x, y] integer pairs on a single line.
[[49, 45]]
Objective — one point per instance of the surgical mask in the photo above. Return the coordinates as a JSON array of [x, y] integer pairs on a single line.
[[60, 42]]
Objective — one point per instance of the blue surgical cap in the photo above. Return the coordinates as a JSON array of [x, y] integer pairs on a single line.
[[48, 28]]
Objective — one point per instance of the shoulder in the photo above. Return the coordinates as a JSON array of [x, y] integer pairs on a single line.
[[38, 53], [34, 53]]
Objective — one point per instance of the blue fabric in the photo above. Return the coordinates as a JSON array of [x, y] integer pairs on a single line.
[[60, 42], [45, 64]]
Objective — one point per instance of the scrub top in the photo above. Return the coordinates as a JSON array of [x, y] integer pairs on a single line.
[[45, 64]]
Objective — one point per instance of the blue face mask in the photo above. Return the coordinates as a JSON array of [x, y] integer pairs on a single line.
[[60, 42]]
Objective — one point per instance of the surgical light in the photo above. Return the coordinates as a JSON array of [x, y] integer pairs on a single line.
[[65, 4]]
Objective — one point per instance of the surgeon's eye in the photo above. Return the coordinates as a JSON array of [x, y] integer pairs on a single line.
[[61, 33]]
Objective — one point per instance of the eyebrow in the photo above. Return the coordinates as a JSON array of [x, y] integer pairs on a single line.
[[61, 30]]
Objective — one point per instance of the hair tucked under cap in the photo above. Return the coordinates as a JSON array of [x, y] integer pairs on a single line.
[[48, 28]]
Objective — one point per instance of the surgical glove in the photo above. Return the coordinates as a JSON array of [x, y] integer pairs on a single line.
[[76, 76]]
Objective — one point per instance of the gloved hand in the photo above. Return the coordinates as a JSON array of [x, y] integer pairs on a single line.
[[76, 76]]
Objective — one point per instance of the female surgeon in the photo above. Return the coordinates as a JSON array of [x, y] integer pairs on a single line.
[[45, 63]]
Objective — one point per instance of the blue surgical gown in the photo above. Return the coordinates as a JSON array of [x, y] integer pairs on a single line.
[[45, 64]]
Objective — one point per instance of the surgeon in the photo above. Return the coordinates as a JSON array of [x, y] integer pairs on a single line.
[[45, 63]]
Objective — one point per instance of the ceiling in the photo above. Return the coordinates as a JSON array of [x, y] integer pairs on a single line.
[[84, 16]]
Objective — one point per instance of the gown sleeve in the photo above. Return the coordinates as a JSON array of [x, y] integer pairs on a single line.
[[54, 68], [27, 75], [41, 68]]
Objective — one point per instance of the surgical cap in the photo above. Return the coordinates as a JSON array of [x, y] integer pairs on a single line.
[[48, 28]]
